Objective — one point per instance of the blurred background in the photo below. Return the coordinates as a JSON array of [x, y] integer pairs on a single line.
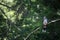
[[23, 19]]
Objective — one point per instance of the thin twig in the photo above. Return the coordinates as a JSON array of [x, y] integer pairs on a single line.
[[32, 33], [53, 21]]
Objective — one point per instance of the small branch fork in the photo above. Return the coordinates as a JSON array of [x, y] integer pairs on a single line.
[[38, 29]]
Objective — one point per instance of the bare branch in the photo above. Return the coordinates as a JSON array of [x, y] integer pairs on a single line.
[[31, 33], [53, 21]]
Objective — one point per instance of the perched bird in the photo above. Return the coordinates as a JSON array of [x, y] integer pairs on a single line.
[[45, 22]]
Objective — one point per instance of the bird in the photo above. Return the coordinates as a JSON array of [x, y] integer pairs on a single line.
[[45, 22]]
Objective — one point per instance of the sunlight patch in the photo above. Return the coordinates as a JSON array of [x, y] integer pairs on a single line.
[[33, 0], [24, 25], [9, 0], [58, 12]]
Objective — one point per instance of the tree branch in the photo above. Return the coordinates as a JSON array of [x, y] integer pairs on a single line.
[[53, 21], [39, 28], [31, 33], [2, 12], [5, 5]]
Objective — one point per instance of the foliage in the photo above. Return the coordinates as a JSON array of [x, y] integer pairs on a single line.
[[21, 18]]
